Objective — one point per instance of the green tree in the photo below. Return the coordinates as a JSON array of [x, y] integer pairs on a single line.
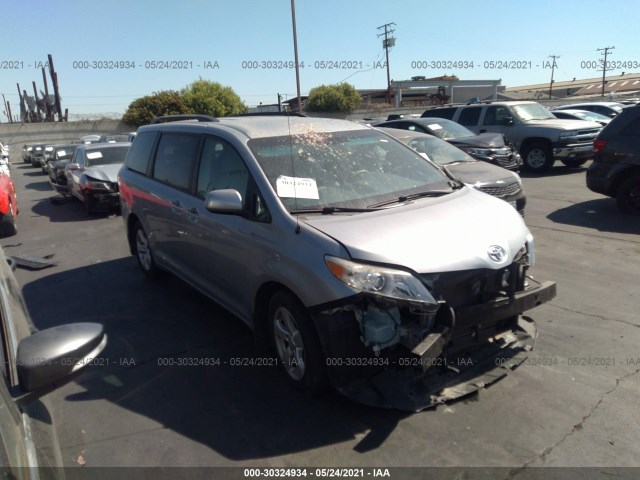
[[166, 102], [212, 98], [333, 98]]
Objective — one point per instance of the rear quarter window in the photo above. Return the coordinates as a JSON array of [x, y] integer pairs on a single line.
[[447, 113], [469, 117], [140, 152]]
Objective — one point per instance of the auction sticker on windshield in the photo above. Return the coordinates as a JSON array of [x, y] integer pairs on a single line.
[[435, 126], [94, 155], [296, 187]]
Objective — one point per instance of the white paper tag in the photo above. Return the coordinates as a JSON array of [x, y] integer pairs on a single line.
[[61, 153], [296, 187], [94, 155], [435, 126]]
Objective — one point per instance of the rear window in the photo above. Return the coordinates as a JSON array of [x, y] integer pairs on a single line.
[[140, 152], [106, 156], [447, 113]]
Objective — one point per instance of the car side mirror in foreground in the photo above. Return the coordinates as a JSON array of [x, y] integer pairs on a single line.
[[50, 358], [226, 201], [507, 121]]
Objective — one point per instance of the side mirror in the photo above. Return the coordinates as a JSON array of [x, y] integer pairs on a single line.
[[225, 201], [507, 121], [73, 166], [50, 358]]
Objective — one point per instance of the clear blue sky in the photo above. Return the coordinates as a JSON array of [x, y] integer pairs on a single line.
[[231, 32]]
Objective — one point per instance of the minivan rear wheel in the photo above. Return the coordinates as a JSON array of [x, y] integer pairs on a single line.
[[142, 251], [628, 196], [296, 343]]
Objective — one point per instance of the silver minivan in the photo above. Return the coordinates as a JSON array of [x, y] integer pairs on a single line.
[[364, 265]]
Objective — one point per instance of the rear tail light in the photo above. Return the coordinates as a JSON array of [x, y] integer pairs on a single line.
[[599, 144]]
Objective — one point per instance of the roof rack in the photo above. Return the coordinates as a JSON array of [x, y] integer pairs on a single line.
[[270, 114], [181, 118]]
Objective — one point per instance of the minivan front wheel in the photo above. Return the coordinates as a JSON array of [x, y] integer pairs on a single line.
[[142, 251], [537, 157], [628, 197], [296, 342]]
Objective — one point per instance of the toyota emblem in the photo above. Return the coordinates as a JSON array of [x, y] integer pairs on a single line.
[[497, 253]]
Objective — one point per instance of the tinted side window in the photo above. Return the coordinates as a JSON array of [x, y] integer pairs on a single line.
[[175, 159], [496, 115], [632, 129], [470, 116], [221, 167], [140, 152], [441, 113]]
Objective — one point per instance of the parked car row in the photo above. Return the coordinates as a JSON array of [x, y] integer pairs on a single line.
[[85, 170], [536, 133]]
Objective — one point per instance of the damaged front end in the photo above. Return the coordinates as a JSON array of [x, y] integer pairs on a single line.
[[413, 341]]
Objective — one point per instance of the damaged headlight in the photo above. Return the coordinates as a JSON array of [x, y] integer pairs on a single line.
[[383, 281]]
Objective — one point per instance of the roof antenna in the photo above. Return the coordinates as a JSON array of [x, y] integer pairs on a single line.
[[295, 192]]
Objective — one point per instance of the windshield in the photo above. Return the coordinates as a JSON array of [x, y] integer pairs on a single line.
[[106, 156], [65, 153], [447, 129], [438, 151], [531, 111], [596, 117], [352, 169]]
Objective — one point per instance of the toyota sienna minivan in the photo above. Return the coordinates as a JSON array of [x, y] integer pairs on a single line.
[[364, 265]]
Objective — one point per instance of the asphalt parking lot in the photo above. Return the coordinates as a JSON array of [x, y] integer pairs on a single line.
[[572, 404]]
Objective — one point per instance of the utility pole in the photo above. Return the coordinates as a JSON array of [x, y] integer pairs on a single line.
[[604, 64], [295, 52], [388, 42], [553, 66]]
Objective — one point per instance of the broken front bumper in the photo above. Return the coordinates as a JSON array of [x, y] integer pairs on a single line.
[[449, 378], [473, 348]]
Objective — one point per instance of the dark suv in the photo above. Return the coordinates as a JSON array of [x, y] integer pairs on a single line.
[[615, 170]]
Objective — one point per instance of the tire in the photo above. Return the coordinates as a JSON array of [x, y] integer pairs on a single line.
[[8, 224], [296, 343], [628, 195], [142, 252], [88, 204], [574, 163], [537, 157]]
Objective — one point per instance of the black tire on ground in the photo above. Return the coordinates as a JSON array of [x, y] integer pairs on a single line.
[[89, 204], [574, 163], [142, 252], [8, 224], [628, 195], [537, 157], [296, 343]]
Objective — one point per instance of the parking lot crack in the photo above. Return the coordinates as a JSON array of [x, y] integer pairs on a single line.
[[607, 319], [576, 428]]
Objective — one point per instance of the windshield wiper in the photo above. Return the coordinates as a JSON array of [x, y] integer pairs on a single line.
[[332, 210], [413, 196]]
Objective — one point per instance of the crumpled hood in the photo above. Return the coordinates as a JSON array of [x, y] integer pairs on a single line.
[[481, 173], [442, 234], [484, 140], [564, 124], [105, 173]]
